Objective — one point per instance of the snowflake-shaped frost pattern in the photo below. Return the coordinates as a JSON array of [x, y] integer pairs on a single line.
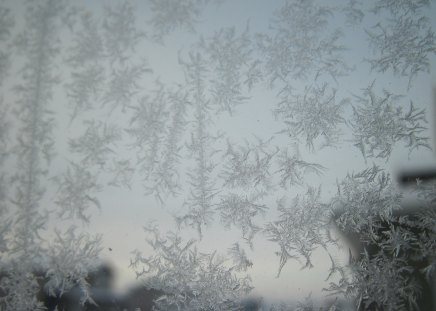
[[379, 122], [239, 211], [300, 228], [248, 166], [314, 115], [302, 46], [292, 168], [364, 197], [190, 280]]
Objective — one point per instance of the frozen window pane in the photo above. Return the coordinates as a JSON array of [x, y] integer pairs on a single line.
[[257, 142]]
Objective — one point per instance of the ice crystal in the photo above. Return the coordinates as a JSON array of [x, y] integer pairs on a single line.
[[88, 75], [123, 85], [165, 179], [200, 201], [313, 115], [84, 89], [231, 56], [76, 192], [168, 15], [19, 288], [172, 145], [353, 12], [190, 280], [372, 283], [88, 44], [379, 122], [4, 137], [4, 131], [300, 228], [147, 127], [306, 305], [6, 24], [280, 307], [70, 257], [403, 45], [4, 222], [400, 7], [122, 173], [239, 258], [96, 144], [121, 35], [292, 168], [394, 246], [301, 46], [239, 210], [247, 166], [364, 197], [35, 123]]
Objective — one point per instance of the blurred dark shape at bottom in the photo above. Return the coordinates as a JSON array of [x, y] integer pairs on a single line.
[[101, 291], [104, 296], [140, 298]]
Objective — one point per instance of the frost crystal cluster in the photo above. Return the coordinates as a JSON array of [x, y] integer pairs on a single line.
[[405, 43], [299, 228], [379, 122], [248, 132], [313, 115], [299, 47], [191, 280]]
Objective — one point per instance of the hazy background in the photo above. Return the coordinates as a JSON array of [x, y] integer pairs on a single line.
[[125, 209]]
